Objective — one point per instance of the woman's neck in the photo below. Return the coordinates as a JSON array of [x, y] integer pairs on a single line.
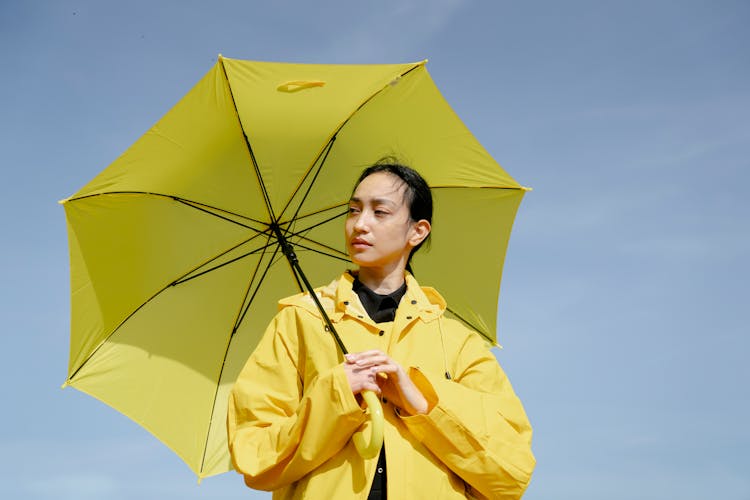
[[382, 281]]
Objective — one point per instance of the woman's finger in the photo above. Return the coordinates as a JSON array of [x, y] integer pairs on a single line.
[[354, 356], [385, 368], [368, 358]]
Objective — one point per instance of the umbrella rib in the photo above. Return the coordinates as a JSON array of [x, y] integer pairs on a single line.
[[317, 224], [182, 279], [299, 234], [252, 252], [262, 184], [305, 238], [319, 252], [254, 161], [329, 143], [317, 212], [470, 324], [234, 330], [209, 209], [366, 101], [246, 303], [326, 151], [199, 206]]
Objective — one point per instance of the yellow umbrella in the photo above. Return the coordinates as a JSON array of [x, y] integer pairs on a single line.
[[174, 248]]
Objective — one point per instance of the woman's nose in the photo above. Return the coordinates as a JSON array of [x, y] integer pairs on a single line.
[[360, 223]]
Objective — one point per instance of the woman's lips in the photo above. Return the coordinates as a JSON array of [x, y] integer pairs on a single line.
[[360, 243]]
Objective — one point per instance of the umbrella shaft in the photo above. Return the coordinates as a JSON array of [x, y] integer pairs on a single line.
[[291, 256]]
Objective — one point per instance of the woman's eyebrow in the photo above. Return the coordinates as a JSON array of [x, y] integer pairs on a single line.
[[374, 201]]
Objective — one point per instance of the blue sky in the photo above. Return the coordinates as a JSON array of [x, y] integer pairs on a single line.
[[624, 303]]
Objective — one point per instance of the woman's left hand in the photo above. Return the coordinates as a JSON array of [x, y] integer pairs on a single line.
[[394, 381]]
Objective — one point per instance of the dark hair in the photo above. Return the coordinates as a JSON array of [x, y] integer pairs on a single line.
[[418, 194]]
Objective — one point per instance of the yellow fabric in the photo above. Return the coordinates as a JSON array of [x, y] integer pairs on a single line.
[[291, 412], [169, 243]]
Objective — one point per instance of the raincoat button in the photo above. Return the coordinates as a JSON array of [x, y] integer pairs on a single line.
[[385, 400], [413, 302], [360, 316], [346, 302], [381, 333], [380, 470], [408, 317]]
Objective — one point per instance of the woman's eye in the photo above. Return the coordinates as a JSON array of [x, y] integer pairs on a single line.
[[353, 210], [381, 212]]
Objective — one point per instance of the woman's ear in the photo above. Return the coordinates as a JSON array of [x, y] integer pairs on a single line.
[[420, 230]]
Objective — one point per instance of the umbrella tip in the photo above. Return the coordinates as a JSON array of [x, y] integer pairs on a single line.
[[526, 188], [65, 384]]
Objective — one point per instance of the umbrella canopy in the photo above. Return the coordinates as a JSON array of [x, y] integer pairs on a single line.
[[175, 262]]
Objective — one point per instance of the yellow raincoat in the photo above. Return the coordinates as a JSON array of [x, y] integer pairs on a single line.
[[292, 413]]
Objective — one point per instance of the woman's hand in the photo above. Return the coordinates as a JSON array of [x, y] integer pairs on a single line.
[[361, 378], [389, 377]]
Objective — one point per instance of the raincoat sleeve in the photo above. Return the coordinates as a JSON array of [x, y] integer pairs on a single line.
[[279, 430], [475, 424]]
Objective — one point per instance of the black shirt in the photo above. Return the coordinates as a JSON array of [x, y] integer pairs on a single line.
[[381, 308]]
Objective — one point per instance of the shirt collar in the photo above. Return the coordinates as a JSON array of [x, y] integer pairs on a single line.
[[380, 307]]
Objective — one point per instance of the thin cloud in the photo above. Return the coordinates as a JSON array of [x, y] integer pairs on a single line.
[[380, 35], [72, 486]]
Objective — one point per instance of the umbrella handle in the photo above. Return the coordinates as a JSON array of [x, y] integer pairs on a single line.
[[371, 449]]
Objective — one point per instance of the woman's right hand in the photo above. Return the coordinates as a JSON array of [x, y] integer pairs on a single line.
[[361, 378]]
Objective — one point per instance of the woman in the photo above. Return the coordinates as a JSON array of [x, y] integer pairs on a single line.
[[454, 427]]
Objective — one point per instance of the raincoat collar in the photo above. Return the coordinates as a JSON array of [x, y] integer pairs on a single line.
[[339, 299], [380, 307]]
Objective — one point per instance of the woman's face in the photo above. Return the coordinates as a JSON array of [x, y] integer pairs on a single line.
[[379, 230]]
